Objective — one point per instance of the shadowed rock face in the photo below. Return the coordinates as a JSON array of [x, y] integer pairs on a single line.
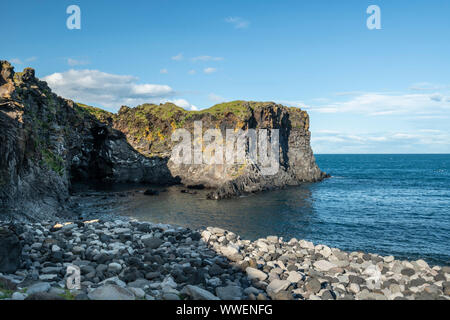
[[46, 142]]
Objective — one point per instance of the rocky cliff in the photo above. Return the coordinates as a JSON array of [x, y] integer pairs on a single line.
[[47, 142], [149, 129]]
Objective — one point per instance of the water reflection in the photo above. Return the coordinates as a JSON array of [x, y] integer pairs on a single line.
[[285, 212]]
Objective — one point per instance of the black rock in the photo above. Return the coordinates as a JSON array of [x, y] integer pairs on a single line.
[[7, 284], [44, 296], [144, 227], [57, 256], [104, 238], [328, 295], [416, 282], [356, 279], [215, 270], [195, 236], [196, 187], [188, 191], [151, 192], [102, 258], [131, 274], [408, 272], [81, 296], [292, 267], [313, 285], [152, 275], [10, 251], [152, 243], [425, 296]]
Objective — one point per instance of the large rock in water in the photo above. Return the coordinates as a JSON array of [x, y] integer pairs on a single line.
[[149, 129], [10, 251]]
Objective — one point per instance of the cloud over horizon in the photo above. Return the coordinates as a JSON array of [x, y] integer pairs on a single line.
[[381, 104], [109, 90], [333, 141]]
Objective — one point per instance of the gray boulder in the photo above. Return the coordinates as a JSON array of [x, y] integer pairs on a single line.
[[111, 292], [198, 293], [229, 292]]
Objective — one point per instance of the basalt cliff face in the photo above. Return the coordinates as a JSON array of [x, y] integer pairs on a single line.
[[48, 142], [149, 129]]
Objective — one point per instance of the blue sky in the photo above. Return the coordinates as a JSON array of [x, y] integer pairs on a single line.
[[367, 91]]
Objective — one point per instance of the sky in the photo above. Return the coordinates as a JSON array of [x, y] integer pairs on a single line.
[[367, 91]]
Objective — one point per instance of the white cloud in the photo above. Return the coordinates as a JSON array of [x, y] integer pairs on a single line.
[[74, 62], [182, 103], [238, 22], [206, 58], [298, 104], [30, 59], [379, 104], [209, 70], [105, 89], [192, 71], [394, 142], [437, 97], [163, 71], [178, 57]]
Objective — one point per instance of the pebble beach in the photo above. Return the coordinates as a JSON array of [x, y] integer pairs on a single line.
[[128, 260]]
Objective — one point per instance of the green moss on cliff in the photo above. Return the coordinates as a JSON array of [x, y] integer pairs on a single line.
[[53, 161], [163, 111], [99, 114], [238, 108], [170, 111]]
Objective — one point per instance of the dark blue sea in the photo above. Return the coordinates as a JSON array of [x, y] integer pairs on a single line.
[[385, 204]]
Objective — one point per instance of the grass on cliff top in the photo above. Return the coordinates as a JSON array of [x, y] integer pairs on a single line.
[[165, 111], [98, 113], [240, 108], [162, 111]]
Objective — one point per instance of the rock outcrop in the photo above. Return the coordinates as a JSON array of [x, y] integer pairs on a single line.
[[47, 142], [149, 128]]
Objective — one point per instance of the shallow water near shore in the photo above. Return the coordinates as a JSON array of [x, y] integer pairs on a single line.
[[387, 204]]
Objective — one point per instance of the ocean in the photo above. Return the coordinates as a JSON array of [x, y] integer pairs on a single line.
[[387, 204]]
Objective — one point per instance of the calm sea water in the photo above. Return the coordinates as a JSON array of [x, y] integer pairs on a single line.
[[386, 204]]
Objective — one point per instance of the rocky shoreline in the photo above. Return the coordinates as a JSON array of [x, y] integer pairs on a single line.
[[126, 260]]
